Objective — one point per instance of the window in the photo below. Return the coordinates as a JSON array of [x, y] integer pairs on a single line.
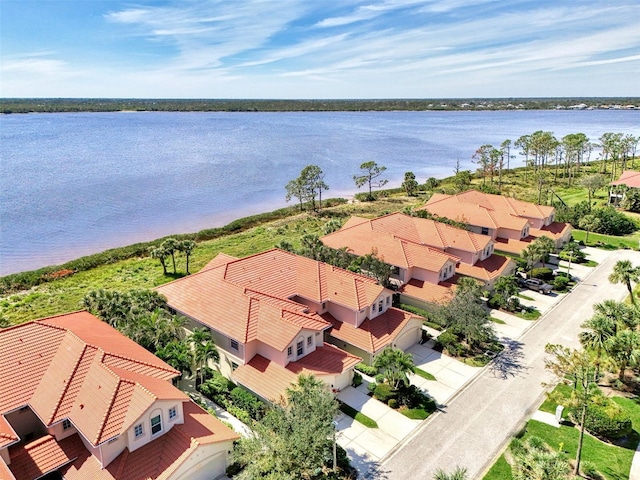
[[484, 231], [66, 424], [450, 267], [234, 365], [380, 306], [289, 351], [234, 344], [172, 413], [309, 341], [156, 424], [300, 348], [324, 305], [138, 430]]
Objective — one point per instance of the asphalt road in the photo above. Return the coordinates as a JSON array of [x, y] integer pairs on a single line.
[[477, 424]]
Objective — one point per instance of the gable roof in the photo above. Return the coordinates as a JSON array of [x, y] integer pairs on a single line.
[[249, 299], [488, 210], [396, 239], [628, 178]]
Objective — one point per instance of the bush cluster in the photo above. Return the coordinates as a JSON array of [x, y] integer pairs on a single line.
[[606, 420], [239, 402], [611, 221], [542, 273], [367, 369]]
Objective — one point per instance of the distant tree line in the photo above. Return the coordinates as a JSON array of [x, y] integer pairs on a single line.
[[47, 105]]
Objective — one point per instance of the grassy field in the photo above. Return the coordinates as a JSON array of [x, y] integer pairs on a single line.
[[64, 295]]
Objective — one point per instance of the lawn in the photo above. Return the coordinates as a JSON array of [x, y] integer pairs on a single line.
[[423, 374], [609, 242], [613, 461], [356, 415]]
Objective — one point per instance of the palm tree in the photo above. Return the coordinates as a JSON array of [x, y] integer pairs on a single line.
[[160, 254], [187, 246], [600, 329], [624, 350], [625, 272], [204, 352], [625, 316], [531, 254], [458, 473], [170, 246], [543, 246], [394, 365], [589, 223], [177, 354]]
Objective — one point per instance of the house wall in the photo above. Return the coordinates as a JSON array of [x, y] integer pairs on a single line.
[[469, 258], [228, 362], [510, 233], [338, 382], [410, 334], [425, 275], [4, 454], [346, 315], [159, 407], [487, 252], [313, 306], [416, 302], [206, 462], [492, 232], [366, 356], [110, 450], [58, 431]]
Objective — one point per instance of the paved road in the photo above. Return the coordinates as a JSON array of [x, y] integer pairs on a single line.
[[478, 422]]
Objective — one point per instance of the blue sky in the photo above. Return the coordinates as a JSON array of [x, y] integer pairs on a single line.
[[319, 48]]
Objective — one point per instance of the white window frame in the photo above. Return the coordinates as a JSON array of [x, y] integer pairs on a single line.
[[300, 348], [138, 431], [234, 345], [289, 351], [173, 413], [159, 417], [309, 341], [66, 424]]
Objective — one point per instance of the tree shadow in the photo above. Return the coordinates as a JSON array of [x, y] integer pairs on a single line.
[[366, 466], [508, 362]]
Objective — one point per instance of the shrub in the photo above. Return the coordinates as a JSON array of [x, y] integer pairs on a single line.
[[513, 304], [393, 403], [416, 310], [379, 378], [357, 380], [216, 385], [372, 387], [613, 222], [384, 392], [560, 283], [607, 421], [577, 256], [542, 273], [239, 413], [247, 401], [496, 301], [367, 369], [446, 338]]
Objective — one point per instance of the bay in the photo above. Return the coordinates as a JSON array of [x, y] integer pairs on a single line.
[[78, 183]]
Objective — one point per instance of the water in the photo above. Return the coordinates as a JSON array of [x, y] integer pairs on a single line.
[[75, 184]]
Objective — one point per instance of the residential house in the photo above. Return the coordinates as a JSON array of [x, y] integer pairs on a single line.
[[512, 223], [275, 315], [79, 398], [628, 179], [426, 255]]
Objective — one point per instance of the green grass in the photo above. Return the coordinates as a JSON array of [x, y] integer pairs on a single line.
[[415, 413], [500, 470], [609, 242], [529, 314], [356, 415], [497, 320], [551, 402], [524, 297], [423, 374]]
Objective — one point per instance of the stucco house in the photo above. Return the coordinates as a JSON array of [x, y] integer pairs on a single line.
[[511, 223], [275, 315], [617, 188], [426, 254], [81, 399]]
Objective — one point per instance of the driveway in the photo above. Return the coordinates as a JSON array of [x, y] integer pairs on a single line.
[[481, 419]]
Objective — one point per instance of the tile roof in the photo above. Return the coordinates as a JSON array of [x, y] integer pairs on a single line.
[[510, 205], [488, 269], [168, 451], [325, 360], [373, 334], [249, 298], [7, 434], [428, 292], [628, 178], [510, 245], [554, 231], [43, 455], [393, 249], [264, 377]]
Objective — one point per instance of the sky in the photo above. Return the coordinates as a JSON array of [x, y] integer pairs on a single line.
[[306, 49]]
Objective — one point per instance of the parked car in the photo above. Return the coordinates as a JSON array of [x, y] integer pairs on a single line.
[[537, 285]]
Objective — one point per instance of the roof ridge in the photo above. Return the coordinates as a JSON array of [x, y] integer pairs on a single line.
[[103, 423], [70, 379], [140, 362], [438, 226]]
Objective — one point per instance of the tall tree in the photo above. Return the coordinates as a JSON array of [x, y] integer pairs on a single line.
[[204, 349], [543, 246], [295, 188], [171, 246], [160, 254], [187, 247], [593, 183], [625, 272], [589, 223], [295, 438], [313, 184], [394, 365], [506, 287], [369, 172], [178, 355], [598, 330], [410, 184], [624, 349], [579, 367]]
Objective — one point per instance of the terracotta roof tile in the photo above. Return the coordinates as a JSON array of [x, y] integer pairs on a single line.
[[325, 360], [264, 377], [554, 231], [428, 292], [510, 245], [5, 473], [43, 455], [373, 334], [204, 427], [487, 269], [629, 178], [7, 434]]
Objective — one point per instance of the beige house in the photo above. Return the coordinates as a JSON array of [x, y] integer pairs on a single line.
[[275, 315], [80, 399]]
